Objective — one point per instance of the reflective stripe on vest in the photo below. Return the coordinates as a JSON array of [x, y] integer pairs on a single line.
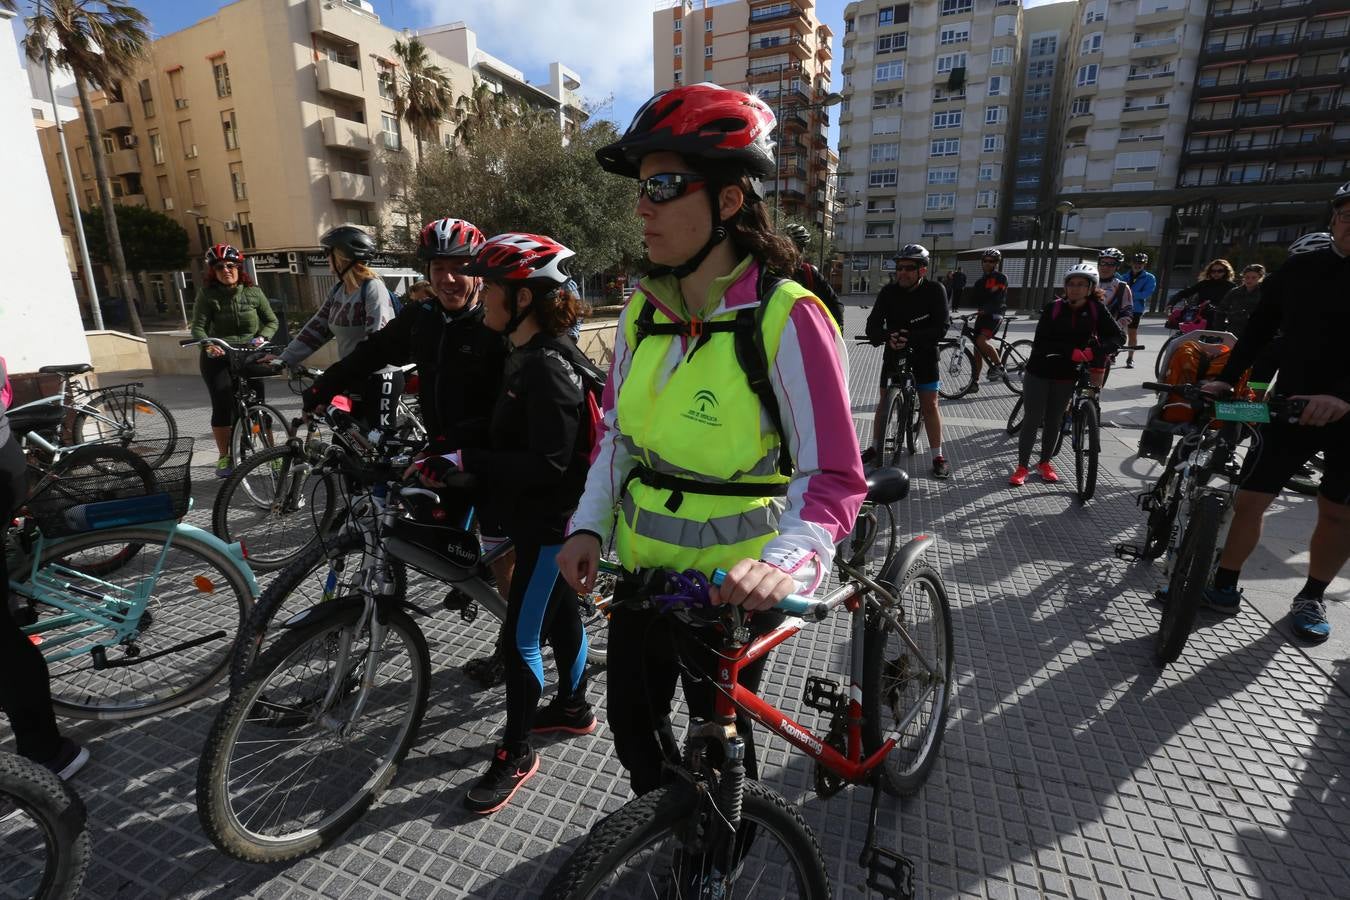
[[720, 531], [767, 464]]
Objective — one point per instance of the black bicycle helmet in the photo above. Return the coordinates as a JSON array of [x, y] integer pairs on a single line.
[[354, 243], [1341, 196], [800, 236], [1140, 258], [916, 252]]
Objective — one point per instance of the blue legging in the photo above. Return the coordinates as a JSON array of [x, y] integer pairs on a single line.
[[541, 605]]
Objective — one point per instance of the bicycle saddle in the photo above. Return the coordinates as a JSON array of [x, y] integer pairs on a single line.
[[887, 485], [67, 369]]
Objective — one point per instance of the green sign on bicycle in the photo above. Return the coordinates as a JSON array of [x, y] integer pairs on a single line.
[[1241, 411]]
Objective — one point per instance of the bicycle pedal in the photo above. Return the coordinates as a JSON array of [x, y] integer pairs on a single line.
[[458, 601], [822, 694], [1129, 551], [890, 874]]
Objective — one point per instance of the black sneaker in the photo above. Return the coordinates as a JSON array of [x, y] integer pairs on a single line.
[[573, 718], [69, 759], [488, 671], [501, 781], [995, 373], [941, 468]]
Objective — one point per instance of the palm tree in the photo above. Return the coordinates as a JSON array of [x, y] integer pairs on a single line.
[[100, 42], [422, 94], [481, 110]]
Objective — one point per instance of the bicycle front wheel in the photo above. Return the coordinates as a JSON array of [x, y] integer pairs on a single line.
[[1015, 358], [886, 425], [262, 427], [278, 504], [905, 693], [1190, 576], [1162, 355], [44, 847], [1087, 448], [130, 417], [912, 420], [642, 850], [1015, 419], [151, 635], [286, 768], [956, 371]]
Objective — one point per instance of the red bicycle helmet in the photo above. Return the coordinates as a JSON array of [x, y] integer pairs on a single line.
[[223, 253], [704, 120], [516, 256], [449, 239]]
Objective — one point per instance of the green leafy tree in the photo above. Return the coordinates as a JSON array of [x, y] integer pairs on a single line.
[[151, 241], [100, 42], [812, 253], [422, 92]]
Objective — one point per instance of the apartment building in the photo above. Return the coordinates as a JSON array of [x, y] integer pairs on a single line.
[[264, 125], [776, 48], [1271, 106], [1127, 85], [1036, 140], [931, 89]]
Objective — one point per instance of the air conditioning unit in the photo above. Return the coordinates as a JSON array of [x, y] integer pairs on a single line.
[[231, 225], [130, 140]]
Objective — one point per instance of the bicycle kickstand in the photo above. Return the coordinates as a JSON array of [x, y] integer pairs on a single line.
[[888, 873]]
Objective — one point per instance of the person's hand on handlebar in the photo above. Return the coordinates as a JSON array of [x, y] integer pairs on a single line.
[[752, 585], [897, 340], [1217, 388], [1322, 409], [1081, 355], [214, 351], [257, 342], [579, 561]]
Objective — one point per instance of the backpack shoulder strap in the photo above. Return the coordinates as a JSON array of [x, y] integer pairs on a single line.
[[754, 359]]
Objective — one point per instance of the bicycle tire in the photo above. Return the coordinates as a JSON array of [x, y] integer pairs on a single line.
[[1015, 358], [101, 459], [262, 513], [165, 691], [594, 609], [59, 816], [159, 424], [286, 594], [1162, 355], [1086, 449], [1059, 437], [904, 770], [1190, 577], [1163, 514], [911, 420], [884, 422], [1016, 417], [263, 420], [667, 813], [956, 371], [255, 703]]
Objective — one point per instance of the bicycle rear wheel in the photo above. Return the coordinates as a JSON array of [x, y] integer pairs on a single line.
[[44, 847], [1015, 419], [278, 504], [912, 420], [887, 424], [902, 698], [130, 417], [262, 427], [1190, 576], [176, 648], [644, 850], [1162, 355], [281, 775], [956, 371], [1086, 449], [1015, 357]]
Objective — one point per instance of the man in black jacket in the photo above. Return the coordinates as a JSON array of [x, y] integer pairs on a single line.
[[1305, 301], [912, 313], [811, 278]]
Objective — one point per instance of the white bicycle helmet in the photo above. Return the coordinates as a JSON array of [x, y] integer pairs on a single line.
[[1083, 270], [517, 256], [1309, 243]]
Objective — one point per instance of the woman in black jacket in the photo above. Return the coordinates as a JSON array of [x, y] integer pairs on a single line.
[[529, 474], [1071, 331], [1193, 307]]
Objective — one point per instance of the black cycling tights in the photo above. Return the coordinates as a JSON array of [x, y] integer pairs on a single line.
[[541, 606], [216, 373], [24, 693]]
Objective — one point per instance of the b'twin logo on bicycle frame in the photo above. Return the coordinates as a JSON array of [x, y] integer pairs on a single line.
[[790, 728]]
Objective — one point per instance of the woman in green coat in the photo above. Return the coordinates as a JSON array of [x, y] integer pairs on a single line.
[[230, 308]]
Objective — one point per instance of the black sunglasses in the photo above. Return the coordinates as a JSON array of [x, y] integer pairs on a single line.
[[908, 268], [224, 265], [667, 186]]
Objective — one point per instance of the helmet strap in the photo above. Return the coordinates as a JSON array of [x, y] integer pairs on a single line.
[[517, 314], [719, 234]]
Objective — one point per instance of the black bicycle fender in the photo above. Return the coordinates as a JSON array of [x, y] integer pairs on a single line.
[[328, 610], [906, 557]]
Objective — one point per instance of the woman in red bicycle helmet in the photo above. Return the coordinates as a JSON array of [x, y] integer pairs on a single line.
[[719, 451]]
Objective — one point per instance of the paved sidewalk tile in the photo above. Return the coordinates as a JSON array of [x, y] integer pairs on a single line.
[[1072, 766]]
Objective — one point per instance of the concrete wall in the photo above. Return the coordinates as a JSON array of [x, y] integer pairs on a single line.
[[39, 317]]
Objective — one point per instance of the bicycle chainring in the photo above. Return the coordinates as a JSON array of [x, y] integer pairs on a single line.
[[830, 783]]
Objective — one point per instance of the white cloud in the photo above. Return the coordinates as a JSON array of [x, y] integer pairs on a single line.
[[607, 42]]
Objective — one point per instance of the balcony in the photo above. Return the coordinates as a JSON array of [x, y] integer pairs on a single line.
[[823, 51], [795, 46], [1155, 47], [792, 117], [1150, 80], [345, 134], [1274, 10], [344, 81], [771, 73], [792, 96], [1162, 16], [339, 19], [767, 17], [125, 162], [790, 170], [349, 187], [1289, 149], [113, 117], [1148, 113]]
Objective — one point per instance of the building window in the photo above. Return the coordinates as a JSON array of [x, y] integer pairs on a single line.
[[679, 24], [955, 34], [957, 7], [195, 189], [997, 85], [945, 147], [1086, 75], [231, 129], [988, 173], [1044, 46], [679, 76], [982, 226], [246, 236], [889, 43], [1081, 106], [108, 145], [162, 184], [389, 133], [187, 139], [1092, 43], [156, 148], [707, 24], [947, 119], [147, 101], [951, 61], [1041, 69], [1128, 220], [882, 178], [708, 52], [995, 115], [883, 99], [942, 175], [1138, 161], [890, 71], [882, 205], [880, 229], [986, 199], [679, 52], [89, 199], [942, 92], [993, 143], [1096, 12], [176, 88], [888, 152], [387, 86], [940, 201], [942, 228], [237, 181], [221, 71], [885, 124], [1005, 26]]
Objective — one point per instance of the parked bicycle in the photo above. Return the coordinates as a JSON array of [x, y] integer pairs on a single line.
[[898, 419], [715, 833], [956, 359], [78, 416], [44, 846], [134, 611], [1190, 506]]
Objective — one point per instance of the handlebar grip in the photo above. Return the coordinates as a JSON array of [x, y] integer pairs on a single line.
[[1155, 386], [188, 342], [792, 604], [1133, 347]]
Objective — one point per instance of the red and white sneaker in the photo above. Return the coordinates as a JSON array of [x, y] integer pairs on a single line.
[[1047, 472], [501, 781], [1019, 476]]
